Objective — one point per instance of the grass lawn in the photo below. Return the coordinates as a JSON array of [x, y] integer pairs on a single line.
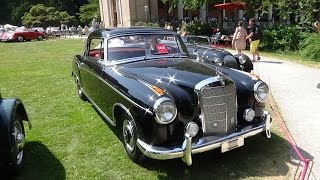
[[69, 140]]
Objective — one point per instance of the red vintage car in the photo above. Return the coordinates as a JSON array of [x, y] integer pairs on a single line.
[[22, 34]]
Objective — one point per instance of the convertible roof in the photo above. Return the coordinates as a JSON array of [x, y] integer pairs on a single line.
[[110, 32]]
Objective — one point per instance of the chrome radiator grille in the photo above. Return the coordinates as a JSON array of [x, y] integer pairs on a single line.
[[219, 109]]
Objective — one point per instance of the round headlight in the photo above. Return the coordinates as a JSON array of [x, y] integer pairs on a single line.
[[242, 59], [165, 111], [261, 91], [217, 61]]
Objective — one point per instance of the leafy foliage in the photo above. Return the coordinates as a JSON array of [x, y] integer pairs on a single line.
[[198, 27], [89, 11], [283, 38], [310, 47], [149, 24], [304, 9], [40, 15]]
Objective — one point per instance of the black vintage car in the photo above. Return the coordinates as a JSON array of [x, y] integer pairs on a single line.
[[200, 48], [166, 104], [12, 134]]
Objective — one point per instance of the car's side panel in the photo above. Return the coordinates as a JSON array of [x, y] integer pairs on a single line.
[[90, 71]]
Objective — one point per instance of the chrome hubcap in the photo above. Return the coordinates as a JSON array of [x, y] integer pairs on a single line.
[[19, 141], [129, 135], [20, 38]]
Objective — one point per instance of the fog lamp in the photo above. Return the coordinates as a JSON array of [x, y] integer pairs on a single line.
[[192, 129], [249, 114]]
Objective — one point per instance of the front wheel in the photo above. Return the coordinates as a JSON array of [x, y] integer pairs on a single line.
[[129, 140], [18, 142], [40, 38]]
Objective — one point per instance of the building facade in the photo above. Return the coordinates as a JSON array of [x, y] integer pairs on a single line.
[[125, 13]]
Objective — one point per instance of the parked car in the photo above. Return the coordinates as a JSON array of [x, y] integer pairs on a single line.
[[12, 134], [201, 49], [22, 34], [166, 104]]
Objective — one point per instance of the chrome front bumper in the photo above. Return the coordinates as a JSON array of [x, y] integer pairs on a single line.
[[203, 144]]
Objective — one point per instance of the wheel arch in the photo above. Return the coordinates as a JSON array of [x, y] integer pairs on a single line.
[[12, 107], [118, 111]]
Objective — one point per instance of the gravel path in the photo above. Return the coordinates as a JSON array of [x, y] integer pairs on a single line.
[[294, 88]]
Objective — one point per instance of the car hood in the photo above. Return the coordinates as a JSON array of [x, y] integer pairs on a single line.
[[164, 73], [184, 73]]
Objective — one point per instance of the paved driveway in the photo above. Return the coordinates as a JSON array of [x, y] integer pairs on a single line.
[[294, 88]]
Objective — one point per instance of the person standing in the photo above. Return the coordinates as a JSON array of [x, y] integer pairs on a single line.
[[254, 38], [239, 38]]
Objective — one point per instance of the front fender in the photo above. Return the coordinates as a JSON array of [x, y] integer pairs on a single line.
[[8, 109], [248, 65]]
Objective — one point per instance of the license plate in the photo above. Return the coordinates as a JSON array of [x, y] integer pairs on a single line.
[[232, 144]]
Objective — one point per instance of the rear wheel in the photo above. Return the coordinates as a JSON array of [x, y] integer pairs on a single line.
[[18, 142], [129, 140], [20, 38]]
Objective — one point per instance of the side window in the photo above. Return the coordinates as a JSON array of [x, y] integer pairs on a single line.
[[95, 48]]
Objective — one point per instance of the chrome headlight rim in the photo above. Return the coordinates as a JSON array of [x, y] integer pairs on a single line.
[[256, 88], [160, 102], [242, 59], [217, 61]]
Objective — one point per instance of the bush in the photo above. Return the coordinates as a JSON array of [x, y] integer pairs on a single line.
[[149, 24], [283, 38], [198, 27], [310, 47]]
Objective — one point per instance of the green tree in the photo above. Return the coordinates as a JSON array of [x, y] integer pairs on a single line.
[[40, 15], [89, 11], [304, 9]]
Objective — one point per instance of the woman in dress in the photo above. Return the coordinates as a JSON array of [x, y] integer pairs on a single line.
[[239, 38]]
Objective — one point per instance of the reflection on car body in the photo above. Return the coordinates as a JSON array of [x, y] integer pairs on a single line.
[[166, 104], [201, 49]]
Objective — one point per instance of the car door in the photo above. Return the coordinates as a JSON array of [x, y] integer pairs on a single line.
[[91, 69]]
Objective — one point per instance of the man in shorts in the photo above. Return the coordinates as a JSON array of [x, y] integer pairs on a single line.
[[254, 37]]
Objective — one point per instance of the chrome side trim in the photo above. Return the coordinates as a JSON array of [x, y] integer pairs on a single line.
[[100, 111], [124, 108], [209, 80], [116, 90]]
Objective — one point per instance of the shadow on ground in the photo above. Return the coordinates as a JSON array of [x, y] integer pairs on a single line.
[[39, 162]]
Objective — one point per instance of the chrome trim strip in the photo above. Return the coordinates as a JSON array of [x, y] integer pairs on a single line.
[[209, 80], [128, 99], [162, 153], [184, 150], [124, 108], [100, 111]]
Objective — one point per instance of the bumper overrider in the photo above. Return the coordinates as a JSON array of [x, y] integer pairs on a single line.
[[204, 144]]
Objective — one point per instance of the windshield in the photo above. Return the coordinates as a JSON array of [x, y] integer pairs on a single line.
[[147, 46]]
